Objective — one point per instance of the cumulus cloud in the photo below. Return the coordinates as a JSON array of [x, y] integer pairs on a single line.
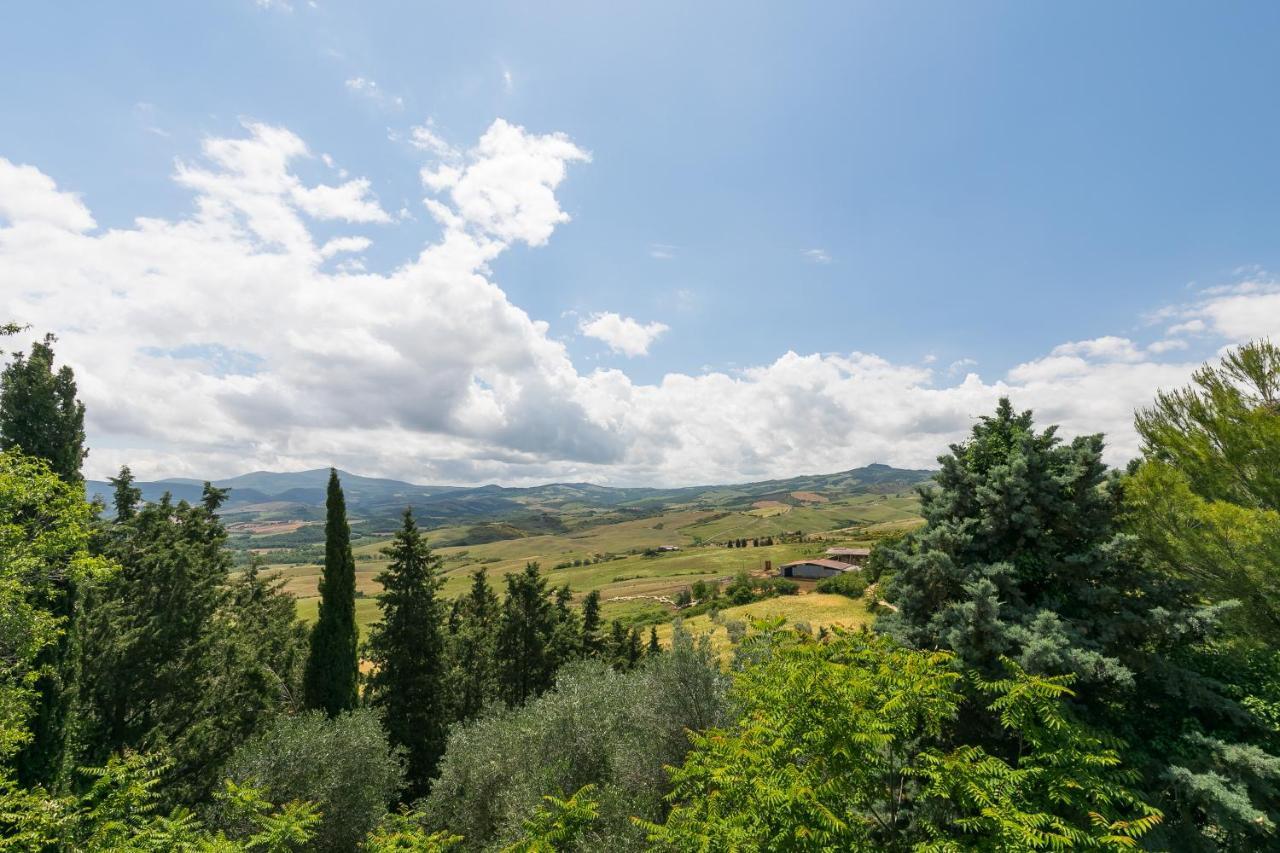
[[231, 339], [29, 197], [622, 334], [505, 189]]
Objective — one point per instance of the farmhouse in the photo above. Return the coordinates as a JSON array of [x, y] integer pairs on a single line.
[[850, 556], [814, 568]]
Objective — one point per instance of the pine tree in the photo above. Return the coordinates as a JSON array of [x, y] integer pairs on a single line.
[[125, 496], [330, 682], [407, 652], [566, 634], [473, 677], [591, 639], [39, 412], [654, 647], [1023, 558], [525, 664], [635, 648]]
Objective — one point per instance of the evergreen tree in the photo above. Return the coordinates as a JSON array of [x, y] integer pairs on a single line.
[[591, 639], [331, 677], [45, 528], [525, 664], [1022, 557], [566, 634], [174, 654], [654, 647], [407, 652], [473, 678], [125, 496], [1206, 499], [41, 417], [39, 412]]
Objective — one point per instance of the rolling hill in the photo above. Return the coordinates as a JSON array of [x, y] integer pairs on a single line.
[[264, 497]]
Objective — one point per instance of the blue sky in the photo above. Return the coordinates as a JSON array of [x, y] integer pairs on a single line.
[[951, 187]]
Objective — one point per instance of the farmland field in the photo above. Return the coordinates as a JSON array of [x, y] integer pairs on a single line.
[[818, 610], [612, 557]]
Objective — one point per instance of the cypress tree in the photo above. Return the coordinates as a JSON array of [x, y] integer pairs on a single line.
[[332, 672], [525, 664], [39, 413], [473, 678], [407, 652], [654, 647]]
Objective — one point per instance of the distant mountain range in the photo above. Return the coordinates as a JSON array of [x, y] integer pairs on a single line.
[[265, 496]]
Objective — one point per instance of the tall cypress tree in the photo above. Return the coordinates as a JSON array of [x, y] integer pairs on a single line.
[[39, 412], [407, 652], [332, 672]]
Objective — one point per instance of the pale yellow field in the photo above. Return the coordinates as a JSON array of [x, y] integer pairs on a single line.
[[819, 610]]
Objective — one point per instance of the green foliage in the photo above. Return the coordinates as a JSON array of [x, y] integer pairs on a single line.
[[558, 824], [472, 652], [1023, 555], [406, 831], [834, 749], [39, 413], [120, 811], [44, 553], [849, 584], [175, 655], [342, 764], [1207, 498], [332, 674], [407, 652], [600, 727], [526, 665]]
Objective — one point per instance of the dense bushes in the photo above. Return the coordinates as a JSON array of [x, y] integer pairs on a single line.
[[342, 765], [851, 584], [613, 730]]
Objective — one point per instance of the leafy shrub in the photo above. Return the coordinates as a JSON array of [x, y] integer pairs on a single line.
[[851, 584], [343, 765], [598, 727]]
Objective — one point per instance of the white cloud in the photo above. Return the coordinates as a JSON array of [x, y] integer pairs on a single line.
[[1109, 348], [662, 251], [29, 197], [817, 256], [1191, 327], [339, 245], [424, 138], [622, 334], [1167, 345], [506, 188], [508, 82], [231, 339], [370, 89]]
